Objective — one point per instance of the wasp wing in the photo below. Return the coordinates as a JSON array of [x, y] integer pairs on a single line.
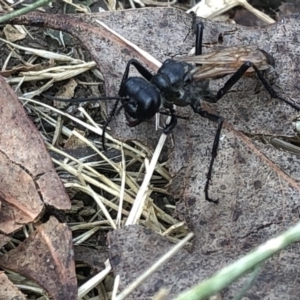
[[227, 60]]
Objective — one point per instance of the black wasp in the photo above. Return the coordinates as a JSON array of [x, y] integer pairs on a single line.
[[185, 81]]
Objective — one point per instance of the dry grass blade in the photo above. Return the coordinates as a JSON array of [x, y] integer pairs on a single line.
[[163, 4], [89, 285], [154, 267], [140, 197], [95, 130], [85, 236], [59, 74], [45, 54], [285, 145], [107, 185], [80, 8], [218, 7], [123, 180]]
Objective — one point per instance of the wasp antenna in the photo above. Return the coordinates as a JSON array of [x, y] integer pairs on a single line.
[[82, 99]]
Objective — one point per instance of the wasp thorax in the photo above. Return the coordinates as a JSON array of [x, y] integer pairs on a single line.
[[161, 81]]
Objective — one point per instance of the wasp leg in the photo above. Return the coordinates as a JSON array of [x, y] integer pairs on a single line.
[[199, 37], [215, 147], [109, 118], [198, 30], [173, 122], [240, 72], [141, 69]]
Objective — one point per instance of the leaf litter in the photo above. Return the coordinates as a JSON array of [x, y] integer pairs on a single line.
[[222, 232], [85, 173]]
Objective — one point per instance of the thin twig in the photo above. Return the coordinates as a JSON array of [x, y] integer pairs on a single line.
[[230, 273], [24, 10]]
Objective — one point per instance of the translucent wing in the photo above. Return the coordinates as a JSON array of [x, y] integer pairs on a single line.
[[227, 60]]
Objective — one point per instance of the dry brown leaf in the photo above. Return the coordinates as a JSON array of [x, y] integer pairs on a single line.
[[66, 92], [13, 33], [289, 8], [3, 240], [73, 142], [10, 291], [46, 257], [244, 17], [22, 203], [94, 258], [28, 179], [257, 185]]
